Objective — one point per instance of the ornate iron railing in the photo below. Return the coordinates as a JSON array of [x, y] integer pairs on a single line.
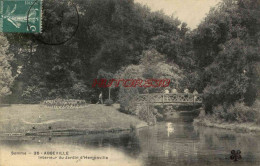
[[168, 98]]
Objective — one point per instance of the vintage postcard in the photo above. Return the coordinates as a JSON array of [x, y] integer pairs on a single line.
[[129, 82]]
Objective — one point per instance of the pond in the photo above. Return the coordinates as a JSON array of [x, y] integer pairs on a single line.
[[167, 143]]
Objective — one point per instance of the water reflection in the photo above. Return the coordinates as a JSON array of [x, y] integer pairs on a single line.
[[119, 148], [169, 128], [196, 145], [164, 144]]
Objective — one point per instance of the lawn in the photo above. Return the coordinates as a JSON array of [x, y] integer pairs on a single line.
[[23, 118]]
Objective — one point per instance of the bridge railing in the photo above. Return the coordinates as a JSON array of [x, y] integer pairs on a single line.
[[170, 98]]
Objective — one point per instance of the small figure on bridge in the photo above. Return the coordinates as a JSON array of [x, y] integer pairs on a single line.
[[195, 92], [186, 90], [166, 91], [174, 91], [100, 98]]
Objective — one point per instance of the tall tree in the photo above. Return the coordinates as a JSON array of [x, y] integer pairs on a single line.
[[226, 47]]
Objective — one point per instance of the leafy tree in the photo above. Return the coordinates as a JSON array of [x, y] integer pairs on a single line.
[[152, 66], [112, 35], [6, 76], [226, 47], [156, 66]]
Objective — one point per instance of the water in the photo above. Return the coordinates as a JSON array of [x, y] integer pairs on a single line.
[[167, 143]]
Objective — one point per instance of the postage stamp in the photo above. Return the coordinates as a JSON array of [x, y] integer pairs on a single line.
[[23, 16]]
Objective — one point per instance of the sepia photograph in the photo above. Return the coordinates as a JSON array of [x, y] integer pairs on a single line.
[[129, 82]]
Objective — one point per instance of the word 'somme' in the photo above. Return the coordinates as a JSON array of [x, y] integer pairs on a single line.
[[104, 83]]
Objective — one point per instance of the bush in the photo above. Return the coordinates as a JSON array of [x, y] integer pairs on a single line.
[[108, 102], [64, 103], [32, 95], [127, 100], [147, 113], [235, 113]]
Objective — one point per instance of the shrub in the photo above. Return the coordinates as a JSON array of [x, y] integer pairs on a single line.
[[64, 103], [238, 112], [127, 100], [147, 113], [108, 102], [32, 95]]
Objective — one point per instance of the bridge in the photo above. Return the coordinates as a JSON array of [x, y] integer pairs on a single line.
[[170, 99]]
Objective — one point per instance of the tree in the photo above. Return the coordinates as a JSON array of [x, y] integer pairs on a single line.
[[6, 77], [152, 66], [155, 66], [112, 34], [226, 48]]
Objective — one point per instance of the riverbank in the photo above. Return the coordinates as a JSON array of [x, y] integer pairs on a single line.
[[26, 118], [250, 116], [239, 127]]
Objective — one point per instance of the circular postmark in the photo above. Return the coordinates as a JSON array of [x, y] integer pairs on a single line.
[[60, 21]]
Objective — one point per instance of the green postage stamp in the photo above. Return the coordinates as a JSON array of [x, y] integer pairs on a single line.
[[23, 16]]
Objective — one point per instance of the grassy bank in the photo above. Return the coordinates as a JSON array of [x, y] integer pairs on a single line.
[[238, 117], [24, 118], [244, 127]]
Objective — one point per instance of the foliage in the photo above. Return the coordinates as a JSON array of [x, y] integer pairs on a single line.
[[156, 66], [152, 65], [126, 98], [238, 112], [32, 95], [226, 48], [6, 76], [79, 90], [64, 103], [108, 102], [147, 113], [112, 34], [220, 58]]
